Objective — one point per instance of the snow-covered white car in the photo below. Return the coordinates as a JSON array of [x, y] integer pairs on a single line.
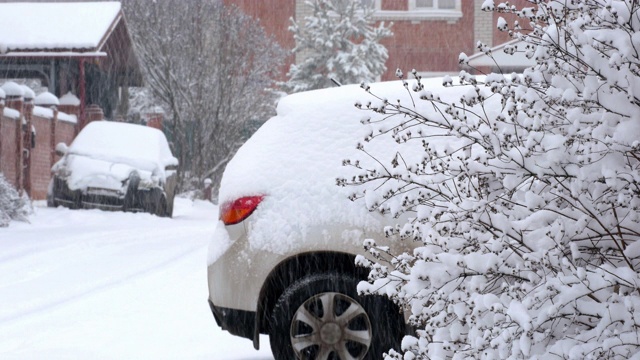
[[282, 259], [115, 166]]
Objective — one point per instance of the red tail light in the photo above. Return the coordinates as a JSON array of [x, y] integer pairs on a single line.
[[233, 212]]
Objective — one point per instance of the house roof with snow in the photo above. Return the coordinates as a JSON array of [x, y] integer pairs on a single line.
[[67, 30], [516, 62]]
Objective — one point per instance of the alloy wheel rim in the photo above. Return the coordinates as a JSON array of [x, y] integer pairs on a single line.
[[330, 326]]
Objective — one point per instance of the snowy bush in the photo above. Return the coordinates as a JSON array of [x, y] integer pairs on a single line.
[[12, 205], [339, 42], [521, 193]]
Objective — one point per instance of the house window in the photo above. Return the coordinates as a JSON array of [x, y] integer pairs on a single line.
[[417, 10], [369, 3], [435, 4]]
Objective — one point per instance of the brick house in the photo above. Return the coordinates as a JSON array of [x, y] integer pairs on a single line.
[[63, 49], [428, 34]]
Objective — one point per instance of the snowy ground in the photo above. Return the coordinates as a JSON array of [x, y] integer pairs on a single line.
[[88, 284]]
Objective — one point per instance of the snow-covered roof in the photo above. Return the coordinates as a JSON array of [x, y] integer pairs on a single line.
[[517, 60], [52, 28]]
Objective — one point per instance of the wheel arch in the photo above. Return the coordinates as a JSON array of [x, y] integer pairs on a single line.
[[293, 268]]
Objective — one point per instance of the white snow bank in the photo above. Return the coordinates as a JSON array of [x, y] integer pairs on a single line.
[[91, 284]]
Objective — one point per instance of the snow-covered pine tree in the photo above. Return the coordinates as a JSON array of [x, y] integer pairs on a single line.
[[522, 193], [12, 205], [339, 41]]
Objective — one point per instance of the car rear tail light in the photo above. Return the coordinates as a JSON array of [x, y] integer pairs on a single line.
[[233, 212]]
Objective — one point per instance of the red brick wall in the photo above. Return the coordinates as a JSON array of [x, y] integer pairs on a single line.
[[430, 45], [396, 5], [274, 17], [65, 132], [8, 148], [426, 45], [40, 155], [41, 158], [500, 37]]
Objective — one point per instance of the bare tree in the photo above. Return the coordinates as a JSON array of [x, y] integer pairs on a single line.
[[210, 67]]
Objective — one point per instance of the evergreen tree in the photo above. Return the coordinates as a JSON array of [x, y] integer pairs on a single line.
[[339, 41]]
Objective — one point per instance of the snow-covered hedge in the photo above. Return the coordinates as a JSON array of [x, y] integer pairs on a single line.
[[12, 205], [523, 193]]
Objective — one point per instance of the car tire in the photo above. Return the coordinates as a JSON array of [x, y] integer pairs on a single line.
[[156, 203], [131, 197], [51, 201], [365, 327], [169, 212], [58, 189], [161, 208]]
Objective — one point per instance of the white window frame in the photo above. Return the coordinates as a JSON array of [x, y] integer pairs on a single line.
[[418, 14]]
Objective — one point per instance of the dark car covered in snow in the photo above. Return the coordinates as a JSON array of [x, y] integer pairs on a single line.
[[115, 166]]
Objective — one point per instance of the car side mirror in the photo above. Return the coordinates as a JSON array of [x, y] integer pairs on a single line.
[[61, 149]]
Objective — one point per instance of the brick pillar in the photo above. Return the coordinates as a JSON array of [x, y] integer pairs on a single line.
[[1, 121], [2, 96], [17, 103], [70, 104], [483, 25], [154, 120], [28, 140], [50, 101], [52, 141], [93, 112]]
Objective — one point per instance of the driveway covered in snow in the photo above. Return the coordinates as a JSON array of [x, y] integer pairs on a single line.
[[89, 284]]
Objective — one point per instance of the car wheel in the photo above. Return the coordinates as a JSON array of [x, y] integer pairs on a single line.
[[131, 198], [156, 203], [323, 317], [51, 201], [161, 207], [169, 212]]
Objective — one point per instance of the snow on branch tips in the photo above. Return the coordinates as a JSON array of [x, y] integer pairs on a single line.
[[520, 193]]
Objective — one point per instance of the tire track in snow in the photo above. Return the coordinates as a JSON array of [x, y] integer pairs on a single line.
[[166, 233]]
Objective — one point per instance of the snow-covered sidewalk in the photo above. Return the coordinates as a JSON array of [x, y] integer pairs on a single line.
[[89, 284]]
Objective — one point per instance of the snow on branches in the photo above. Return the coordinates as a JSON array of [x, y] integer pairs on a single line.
[[339, 42], [521, 193]]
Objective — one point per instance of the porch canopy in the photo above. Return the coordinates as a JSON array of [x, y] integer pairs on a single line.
[[58, 42]]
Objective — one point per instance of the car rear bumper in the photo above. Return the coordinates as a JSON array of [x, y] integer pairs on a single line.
[[237, 322]]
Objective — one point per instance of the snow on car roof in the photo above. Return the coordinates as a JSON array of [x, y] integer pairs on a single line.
[[296, 156], [140, 146]]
